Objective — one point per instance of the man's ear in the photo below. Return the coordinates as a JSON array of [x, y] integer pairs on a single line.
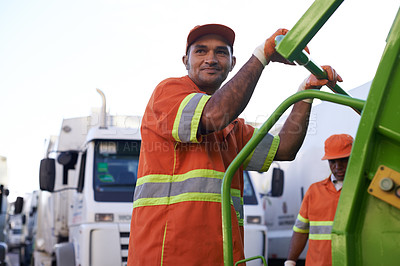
[[185, 61], [233, 62]]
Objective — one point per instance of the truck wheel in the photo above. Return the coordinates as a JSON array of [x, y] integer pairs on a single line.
[[22, 250]]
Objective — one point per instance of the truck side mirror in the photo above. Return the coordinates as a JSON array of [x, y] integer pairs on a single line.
[[23, 219], [47, 175], [277, 182], [68, 159], [18, 205]]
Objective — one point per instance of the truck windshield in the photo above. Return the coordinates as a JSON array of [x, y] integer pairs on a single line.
[[249, 195], [115, 170]]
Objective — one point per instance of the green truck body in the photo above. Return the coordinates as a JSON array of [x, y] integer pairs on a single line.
[[366, 228]]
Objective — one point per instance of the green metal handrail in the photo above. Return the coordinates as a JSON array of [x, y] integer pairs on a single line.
[[306, 28], [291, 46], [251, 145], [252, 258]]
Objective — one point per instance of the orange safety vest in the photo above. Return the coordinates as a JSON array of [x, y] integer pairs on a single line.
[[176, 218], [315, 218]]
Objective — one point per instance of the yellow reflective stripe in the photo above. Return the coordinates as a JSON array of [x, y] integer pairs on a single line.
[[210, 197], [188, 116], [150, 202], [302, 225], [240, 220], [320, 236], [197, 196], [271, 153], [153, 179], [301, 218], [237, 201], [298, 230], [189, 196], [196, 118], [175, 129], [266, 150], [178, 178], [319, 223], [176, 144], [235, 192], [247, 160], [163, 244]]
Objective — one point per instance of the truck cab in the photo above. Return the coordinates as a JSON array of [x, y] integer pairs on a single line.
[[102, 205], [87, 186], [255, 229]]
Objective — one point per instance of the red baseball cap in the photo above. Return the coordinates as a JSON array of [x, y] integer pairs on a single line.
[[225, 32], [338, 146]]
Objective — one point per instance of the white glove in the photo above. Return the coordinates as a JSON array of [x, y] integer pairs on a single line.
[[302, 87], [259, 53], [290, 263]]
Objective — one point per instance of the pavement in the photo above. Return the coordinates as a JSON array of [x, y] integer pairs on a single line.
[[13, 258]]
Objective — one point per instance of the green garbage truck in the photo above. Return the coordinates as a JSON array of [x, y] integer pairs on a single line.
[[366, 229]]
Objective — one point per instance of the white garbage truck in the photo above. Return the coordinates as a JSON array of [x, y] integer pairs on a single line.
[[87, 181]]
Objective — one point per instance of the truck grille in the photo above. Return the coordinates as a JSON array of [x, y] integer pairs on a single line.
[[124, 239]]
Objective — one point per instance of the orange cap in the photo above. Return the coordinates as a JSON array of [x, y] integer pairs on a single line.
[[338, 146], [225, 32]]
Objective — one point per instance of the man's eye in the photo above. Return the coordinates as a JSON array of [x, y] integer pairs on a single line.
[[200, 51], [222, 52]]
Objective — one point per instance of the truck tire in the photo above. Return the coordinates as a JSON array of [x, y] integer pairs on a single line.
[[3, 252], [65, 255]]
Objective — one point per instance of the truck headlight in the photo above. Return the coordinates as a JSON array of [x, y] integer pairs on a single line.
[[254, 219], [104, 217]]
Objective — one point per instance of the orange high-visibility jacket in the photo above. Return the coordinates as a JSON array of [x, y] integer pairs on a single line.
[[315, 218], [176, 218]]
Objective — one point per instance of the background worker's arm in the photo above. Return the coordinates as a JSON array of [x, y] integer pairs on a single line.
[[228, 102], [295, 127], [297, 245]]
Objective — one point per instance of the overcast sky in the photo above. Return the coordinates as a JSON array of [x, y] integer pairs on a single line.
[[54, 54]]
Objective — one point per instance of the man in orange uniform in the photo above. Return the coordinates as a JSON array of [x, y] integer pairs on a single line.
[[318, 208], [190, 134]]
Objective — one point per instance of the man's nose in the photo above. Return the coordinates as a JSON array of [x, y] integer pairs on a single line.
[[339, 164], [211, 58]]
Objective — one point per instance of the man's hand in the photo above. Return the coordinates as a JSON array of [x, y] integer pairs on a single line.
[[313, 83], [295, 127], [266, 51]]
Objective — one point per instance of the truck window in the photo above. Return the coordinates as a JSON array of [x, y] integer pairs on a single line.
[[249, 196], [115, 170]]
